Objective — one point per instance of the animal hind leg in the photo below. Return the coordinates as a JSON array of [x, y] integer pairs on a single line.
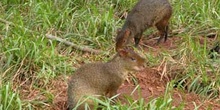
[[162, 27], [166, 33]]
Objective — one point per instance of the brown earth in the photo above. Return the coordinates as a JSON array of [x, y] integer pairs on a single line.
[[152, 85]]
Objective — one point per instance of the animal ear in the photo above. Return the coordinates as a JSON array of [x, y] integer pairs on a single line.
[[122, 52], [127, 33]]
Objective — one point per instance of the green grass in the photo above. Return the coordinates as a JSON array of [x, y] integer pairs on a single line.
[[9, 99], [27, 56]]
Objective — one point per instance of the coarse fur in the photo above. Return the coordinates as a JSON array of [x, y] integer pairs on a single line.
[[102, 79], [145, 14]]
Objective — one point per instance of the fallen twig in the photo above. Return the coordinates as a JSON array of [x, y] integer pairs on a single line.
[[82, 48]]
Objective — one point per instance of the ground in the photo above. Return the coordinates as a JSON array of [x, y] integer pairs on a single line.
[[152, 85]]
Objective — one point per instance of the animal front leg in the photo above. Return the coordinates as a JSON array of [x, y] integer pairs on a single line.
[[137, 39], [112, 94]]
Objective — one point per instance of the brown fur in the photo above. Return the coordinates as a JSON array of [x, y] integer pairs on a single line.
[[102, 79], [145, 14]]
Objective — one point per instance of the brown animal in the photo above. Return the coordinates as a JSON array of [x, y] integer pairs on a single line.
[[145, 14], [102, 79]]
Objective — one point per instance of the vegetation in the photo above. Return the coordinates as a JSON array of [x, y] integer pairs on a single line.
[[29, 60]]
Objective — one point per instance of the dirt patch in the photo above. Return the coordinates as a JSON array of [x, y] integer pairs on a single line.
[[152, 85], [60, 92], [51, 97]]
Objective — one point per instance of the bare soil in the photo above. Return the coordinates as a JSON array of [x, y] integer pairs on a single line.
[[152, 85]]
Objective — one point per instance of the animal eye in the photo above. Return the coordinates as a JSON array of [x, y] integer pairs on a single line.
[[133, 59]]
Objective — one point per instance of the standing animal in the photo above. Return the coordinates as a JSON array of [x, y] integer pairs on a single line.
[[145, 14], [102, 79]]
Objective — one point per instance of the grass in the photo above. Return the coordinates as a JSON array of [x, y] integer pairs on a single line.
[[9, 99], [27, 57]]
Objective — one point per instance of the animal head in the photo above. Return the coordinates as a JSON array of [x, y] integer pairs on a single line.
[[131, 60], [122, 38]]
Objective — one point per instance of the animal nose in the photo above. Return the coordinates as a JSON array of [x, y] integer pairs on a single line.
[[144, 65]]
